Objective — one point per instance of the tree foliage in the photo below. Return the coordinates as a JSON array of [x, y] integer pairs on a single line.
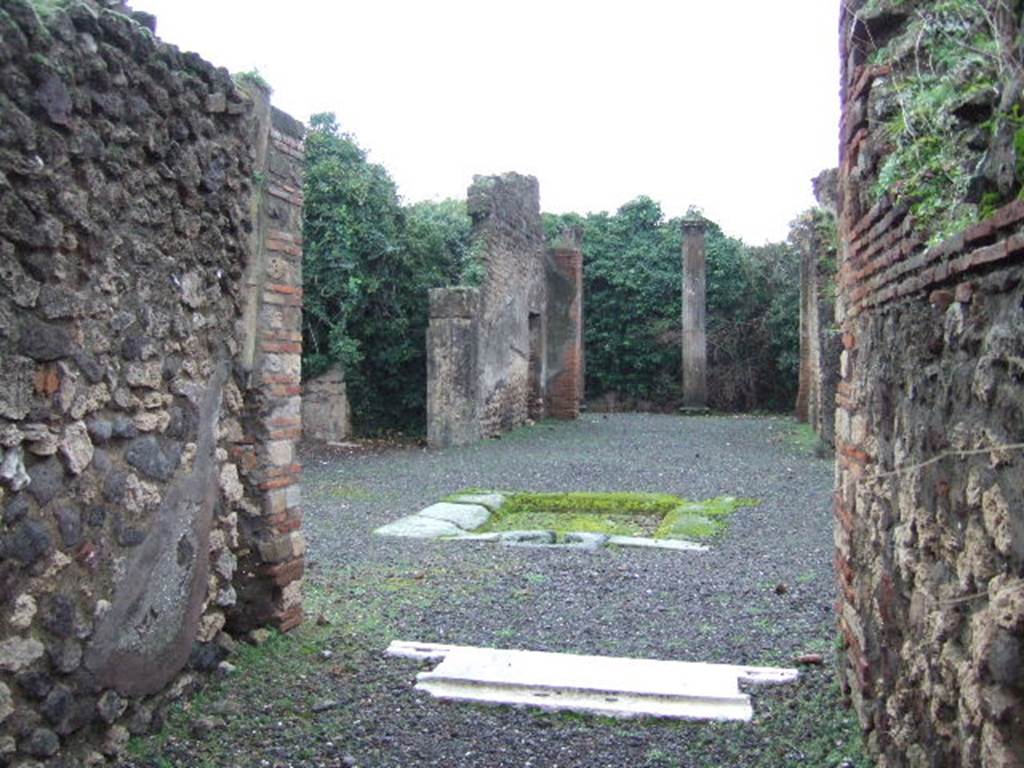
[[367, 267], [633, 307]]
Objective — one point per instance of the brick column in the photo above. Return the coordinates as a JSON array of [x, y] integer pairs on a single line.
[[565, 332], [271, 561], [453, 408], [695, 377]]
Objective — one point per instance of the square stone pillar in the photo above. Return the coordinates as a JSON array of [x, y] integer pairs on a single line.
[[695, 376], [453, 399]]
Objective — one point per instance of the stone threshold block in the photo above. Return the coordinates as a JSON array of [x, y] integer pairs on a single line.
[[600, 685]]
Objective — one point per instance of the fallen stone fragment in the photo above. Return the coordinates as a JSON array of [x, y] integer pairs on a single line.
[[419, 527], [465, 516], [642, 542], [603, 685]]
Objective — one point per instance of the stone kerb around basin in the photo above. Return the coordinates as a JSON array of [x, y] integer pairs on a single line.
[[571, 521]]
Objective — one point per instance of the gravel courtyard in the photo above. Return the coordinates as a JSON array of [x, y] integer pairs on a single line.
[[326, 695]]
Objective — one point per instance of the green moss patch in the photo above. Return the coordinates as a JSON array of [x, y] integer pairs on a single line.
[[657, 515]]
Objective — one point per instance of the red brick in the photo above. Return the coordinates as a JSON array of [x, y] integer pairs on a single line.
[[989, 254], [288, 620], [283, 574], [1008, 214]]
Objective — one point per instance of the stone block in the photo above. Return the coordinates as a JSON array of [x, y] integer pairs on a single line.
[[454, 302], [466, 516]]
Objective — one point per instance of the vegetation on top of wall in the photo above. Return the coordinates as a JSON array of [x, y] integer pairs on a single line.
[[367, 266], [254, 78], [941, 112], [632, 293]]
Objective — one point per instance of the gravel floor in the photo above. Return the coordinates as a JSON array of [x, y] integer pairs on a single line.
[[721, 606]]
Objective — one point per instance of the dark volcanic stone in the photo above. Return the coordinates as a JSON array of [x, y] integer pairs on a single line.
[[100, 430], [90, 367], [16, 508], [58, 616], [124, 429], [41, 743], [69, 524], [54, 98], [57, 704], [206, 656], [47, 480], [152, 459], [35, 684], [43, 342], [29, 541]]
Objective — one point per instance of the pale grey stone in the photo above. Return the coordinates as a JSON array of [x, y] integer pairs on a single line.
[[586, 540], [528, 537], [477, 537], [6, 702], [466, 516], [419, 527], [18, 653], [674, 544], [12, 471], [493, 501]]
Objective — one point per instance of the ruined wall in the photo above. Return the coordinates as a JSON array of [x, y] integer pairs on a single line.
[[564, 346], [813, 236], [508, 234], [326, 413], [453, 379], [511, 350], [148, 397], [930, 486]]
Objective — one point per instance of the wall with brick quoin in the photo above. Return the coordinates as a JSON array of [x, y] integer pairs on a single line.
[[150, 314], [511, 350], [930, 490]]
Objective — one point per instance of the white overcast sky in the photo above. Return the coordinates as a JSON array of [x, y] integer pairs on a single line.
[[731, 106]]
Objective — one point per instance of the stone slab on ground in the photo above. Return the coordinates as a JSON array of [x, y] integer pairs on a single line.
[[419, 527], [604, 685], [678, 545], [477, 537], [493, 501], [527, 537], [465, 516]]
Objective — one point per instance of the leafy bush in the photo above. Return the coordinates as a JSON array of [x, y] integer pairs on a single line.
[[367, 267], [633, 305]]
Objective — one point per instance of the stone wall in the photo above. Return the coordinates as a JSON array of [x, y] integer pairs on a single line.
[[497, 354], [453, 401], [813, 236], [930, 487], [509, 237], [326, 413], [148, 209]]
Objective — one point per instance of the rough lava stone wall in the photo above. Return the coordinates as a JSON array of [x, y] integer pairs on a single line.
[[930, 486], [148, 375]]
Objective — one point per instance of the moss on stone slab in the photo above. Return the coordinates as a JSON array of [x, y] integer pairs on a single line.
[[657, 515]]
